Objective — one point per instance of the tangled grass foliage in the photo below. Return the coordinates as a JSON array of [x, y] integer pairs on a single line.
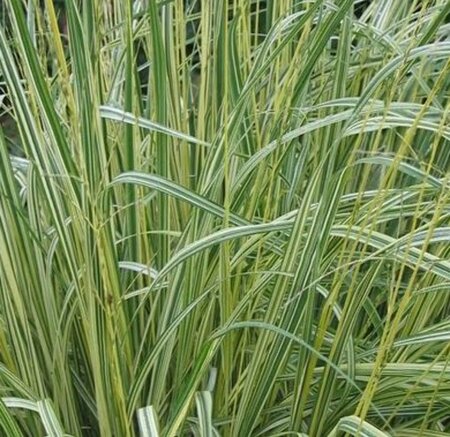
[[226, 218]]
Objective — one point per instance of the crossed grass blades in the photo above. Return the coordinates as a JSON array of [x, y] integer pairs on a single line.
[[225, 218]]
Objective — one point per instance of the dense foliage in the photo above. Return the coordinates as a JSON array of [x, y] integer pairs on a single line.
[[227, 217]]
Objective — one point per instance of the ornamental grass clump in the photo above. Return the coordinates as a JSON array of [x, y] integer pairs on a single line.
[[225, 218]]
